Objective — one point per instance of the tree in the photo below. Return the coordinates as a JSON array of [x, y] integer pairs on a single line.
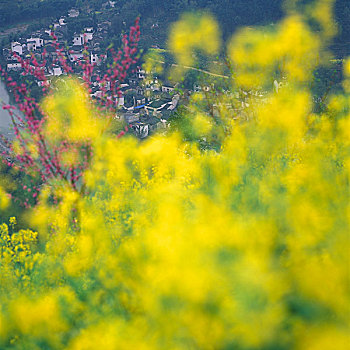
[[41, 157]]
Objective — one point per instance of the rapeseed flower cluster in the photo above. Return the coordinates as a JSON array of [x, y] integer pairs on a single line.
[[167, 246]]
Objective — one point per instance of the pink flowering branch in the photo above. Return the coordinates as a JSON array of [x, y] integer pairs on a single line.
[[28, 123]]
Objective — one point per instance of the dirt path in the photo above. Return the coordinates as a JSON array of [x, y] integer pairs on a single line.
[[193, 68]]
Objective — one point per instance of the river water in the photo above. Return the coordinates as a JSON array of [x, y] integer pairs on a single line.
[[5, 120]]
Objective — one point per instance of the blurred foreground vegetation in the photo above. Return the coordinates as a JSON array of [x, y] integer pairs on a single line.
[[242, 244]]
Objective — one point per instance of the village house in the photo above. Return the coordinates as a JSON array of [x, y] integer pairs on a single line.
[[14, 65], [88, 34], [120, 101], [155, 85], [139, 100], [31, 45], [141, 74], [96, 92], [75, 54], [56, 71], [140, 90], [145, 105], [17, 47], [39, 42], [78, 39], [152, 121], [140, 130], [94, 58], [47, 38], [130, 117], [62, 21], [167, 87], [156, 106], [197, 88]]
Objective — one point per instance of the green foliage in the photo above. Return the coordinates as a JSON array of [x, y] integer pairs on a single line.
[[157, 17], [20, 11]]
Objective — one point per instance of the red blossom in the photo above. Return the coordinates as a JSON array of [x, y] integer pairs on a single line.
[[48, 164]]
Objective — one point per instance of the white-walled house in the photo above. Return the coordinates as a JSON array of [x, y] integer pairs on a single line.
[[120, 101], [97, 94], [14, 65], [56, 71], [88, 34], [75, 56], [94, 58], [197, 88], [39, 42], [141, 130], [81, 39], [167, 88], [141, 74], [88, 37], [78, 39], [62, 21], [139, 100], [155, 85], [206, 88], [31, 45], [17, 47]]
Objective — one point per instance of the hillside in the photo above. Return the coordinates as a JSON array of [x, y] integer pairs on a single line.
[[18, 11], [230, 14], [158, 15]]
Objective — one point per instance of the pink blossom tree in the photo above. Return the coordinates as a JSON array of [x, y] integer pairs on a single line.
[[28, 119]]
